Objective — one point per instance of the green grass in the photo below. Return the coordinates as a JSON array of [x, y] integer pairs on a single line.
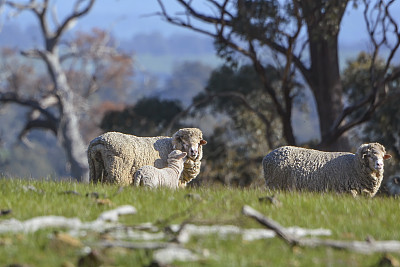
[[347, 217]]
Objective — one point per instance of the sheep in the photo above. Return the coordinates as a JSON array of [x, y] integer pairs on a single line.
[[114, 157], [152, 177], [294, 168]]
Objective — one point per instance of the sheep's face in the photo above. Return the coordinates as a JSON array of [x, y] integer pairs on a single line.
[[374, 154], [189, 140], [193, 147]]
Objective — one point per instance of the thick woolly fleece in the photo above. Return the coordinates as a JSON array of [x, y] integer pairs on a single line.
[[294, 168], [150, 176], [114, 157]]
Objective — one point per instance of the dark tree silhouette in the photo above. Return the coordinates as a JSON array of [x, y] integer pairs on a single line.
[[303, 34]]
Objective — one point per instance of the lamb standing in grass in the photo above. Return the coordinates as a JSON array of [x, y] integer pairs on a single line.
[[152, 177], [114, 157], [294, 168]]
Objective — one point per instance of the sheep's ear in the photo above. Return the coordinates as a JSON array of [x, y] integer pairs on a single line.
[[181, 156], [203, 142], [387, 156]]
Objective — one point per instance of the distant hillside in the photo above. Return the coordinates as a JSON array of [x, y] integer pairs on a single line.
[[177, 44], [154, 52]]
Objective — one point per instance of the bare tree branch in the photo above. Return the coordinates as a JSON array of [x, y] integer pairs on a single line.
[[10, 97], [377, 16], [365, 247], [235, 95], [78, 12], [39, 124], [67, 125], [41, 10]]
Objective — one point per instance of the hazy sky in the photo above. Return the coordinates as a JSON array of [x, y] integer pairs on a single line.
[[124, 17], [128, 17]]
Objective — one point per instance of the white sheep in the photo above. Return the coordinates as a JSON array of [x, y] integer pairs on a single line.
[[294, 168], [153, 177], [114, 157]]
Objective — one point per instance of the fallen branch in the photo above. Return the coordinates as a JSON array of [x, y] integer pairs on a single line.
[[132, 245], [365, 247], [105, 220], [184, 232], [270, 224]]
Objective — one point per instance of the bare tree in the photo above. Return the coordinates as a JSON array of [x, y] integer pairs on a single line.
[[61, 92], [305, 35]]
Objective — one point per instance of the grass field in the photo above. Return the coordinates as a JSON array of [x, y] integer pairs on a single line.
[[348, 219]]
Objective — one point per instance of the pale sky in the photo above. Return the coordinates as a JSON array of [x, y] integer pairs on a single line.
[[128, 17]]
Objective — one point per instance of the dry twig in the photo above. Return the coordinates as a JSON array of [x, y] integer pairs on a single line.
[[365, 247]]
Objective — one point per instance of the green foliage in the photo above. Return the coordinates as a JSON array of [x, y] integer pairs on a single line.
[[243, 80], [235, 149], [148, 117], [257, 18], [357, 79], [348, 218]]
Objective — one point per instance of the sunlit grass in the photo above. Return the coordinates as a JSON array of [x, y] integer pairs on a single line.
[[348, 218]]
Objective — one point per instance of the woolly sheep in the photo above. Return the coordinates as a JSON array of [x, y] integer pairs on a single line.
[[114, 157], [152, 177], [294, 168]]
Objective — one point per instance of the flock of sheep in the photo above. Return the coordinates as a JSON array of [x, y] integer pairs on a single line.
[[174, 161]]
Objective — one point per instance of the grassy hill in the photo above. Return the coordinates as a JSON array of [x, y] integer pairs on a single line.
[[348, 218]]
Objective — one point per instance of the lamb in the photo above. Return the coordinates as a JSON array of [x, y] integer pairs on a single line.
[[115, 157], [168, 177], [294, 168]]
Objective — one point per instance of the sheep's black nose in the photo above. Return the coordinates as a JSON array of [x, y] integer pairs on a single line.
[[193, 152]]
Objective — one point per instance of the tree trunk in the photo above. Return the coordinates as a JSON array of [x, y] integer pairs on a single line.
[[327, 88], [323, 24], [68, 132], [72, 143], [288, 129]]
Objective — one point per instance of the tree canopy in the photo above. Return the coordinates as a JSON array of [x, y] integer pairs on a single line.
[[301, 37]]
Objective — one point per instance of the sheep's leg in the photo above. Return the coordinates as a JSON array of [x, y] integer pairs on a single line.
[[99, 171], [92, 171], [95, 169], [137, 181], [96, 163]]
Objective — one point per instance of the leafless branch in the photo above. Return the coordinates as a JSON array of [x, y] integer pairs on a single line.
[[378, 18], [78, 12], [10, 97], [179, 22], [365, 247], [210, 97], [41, 10], [38, 124]]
